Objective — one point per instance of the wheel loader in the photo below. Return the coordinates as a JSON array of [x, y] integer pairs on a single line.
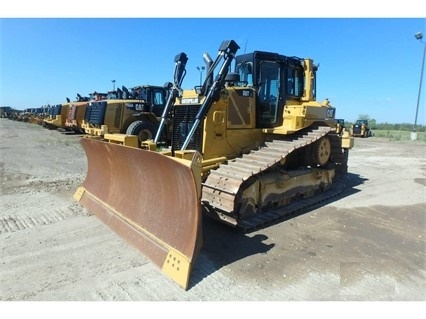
[[361, 128], [75, 122], [340, 126], [148, 121], [57, 116], [5, 111], [37, 115], [27, 115], [75, 115], [133, 112], [248, 148]]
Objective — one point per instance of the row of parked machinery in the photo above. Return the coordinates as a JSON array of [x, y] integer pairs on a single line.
[[134, 111]]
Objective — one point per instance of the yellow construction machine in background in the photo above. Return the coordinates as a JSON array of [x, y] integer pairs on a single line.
[[133, 112], [56, 116], [361, 128], [75, 115]]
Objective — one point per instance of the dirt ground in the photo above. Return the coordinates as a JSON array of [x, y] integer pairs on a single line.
[[367, 245]]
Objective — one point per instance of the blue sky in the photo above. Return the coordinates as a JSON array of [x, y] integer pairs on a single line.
[[367, 65]]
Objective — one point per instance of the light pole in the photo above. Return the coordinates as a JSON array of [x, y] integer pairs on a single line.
[[419, 36], [113, 85], [201, 69]]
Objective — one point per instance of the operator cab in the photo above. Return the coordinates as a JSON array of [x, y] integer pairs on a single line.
[[276, 79]]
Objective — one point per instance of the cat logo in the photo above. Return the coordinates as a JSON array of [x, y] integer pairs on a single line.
[[330, 112]]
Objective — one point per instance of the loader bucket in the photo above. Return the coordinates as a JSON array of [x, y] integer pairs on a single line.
[[149, 199]]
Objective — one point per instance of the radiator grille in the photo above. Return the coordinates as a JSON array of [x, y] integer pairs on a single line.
[[95, 113], [357, 129], [183, 119], [55, 110]]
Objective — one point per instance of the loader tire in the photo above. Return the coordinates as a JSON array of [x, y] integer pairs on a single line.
[[144, 130]]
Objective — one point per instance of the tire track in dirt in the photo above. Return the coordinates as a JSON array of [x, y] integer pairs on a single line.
[[13, 223], [23, 184]]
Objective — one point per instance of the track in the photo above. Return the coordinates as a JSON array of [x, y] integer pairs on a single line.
[[222, 186]]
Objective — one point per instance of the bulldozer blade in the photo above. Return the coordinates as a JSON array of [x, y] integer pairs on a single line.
[[149, 199]]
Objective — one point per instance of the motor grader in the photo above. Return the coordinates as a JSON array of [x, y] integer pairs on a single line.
[[248, 147]]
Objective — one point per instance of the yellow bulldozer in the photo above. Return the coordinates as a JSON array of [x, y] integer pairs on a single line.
[[248, 148]]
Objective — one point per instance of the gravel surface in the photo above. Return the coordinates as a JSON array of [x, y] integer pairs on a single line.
[[367, 245]]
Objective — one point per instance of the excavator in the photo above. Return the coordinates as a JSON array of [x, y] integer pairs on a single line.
[[248, 148]]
